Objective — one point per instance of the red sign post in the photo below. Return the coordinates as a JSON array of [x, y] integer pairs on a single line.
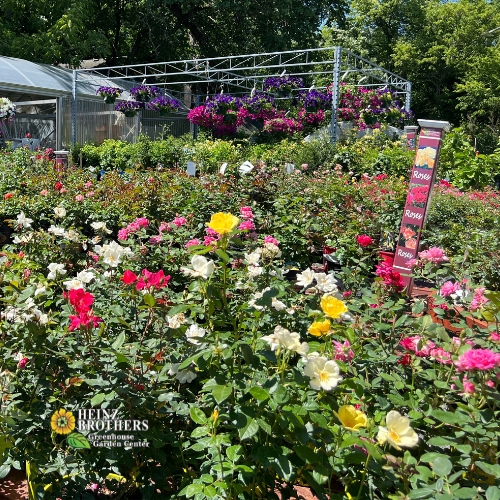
[[411, 136], [419, 195]]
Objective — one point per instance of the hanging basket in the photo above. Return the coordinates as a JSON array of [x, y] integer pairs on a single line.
[[130, 114], [165, 112], [142, 97], [109, 99], [311, 109], [230, 118]]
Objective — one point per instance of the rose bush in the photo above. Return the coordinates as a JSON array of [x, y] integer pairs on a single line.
[[172, 300]]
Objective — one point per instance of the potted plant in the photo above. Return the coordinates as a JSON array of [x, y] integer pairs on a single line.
[[164, 105], [144, 93], [129, 108], [220, 104], [283, 85], [313, 100], [109, 94]]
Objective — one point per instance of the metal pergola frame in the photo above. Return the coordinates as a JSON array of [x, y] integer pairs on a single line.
[[243, 73]]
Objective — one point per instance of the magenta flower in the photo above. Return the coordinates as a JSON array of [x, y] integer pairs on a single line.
[[434, 254], [478, 359], [271, 239], [246, 225], [179, 221], [364, 240], [343, 352], [449, 288], [193, 242]]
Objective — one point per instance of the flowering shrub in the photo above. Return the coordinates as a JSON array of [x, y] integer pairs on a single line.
[[369, 108], [7, 110], [171, 300]]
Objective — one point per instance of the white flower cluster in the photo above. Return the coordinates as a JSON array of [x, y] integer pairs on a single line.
[[323, 372], [27, 312], [283, 338], [7, 109], [113, 253], [82, 279], [325, 283], [277, 304], [70, 235], [202, 267]]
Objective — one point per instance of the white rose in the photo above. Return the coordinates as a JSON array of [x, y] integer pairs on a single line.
[[60, 211]]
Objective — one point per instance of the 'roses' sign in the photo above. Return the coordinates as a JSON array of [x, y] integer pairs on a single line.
[[417, 201]]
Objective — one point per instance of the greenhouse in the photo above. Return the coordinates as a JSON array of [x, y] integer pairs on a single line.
[[43, 95]]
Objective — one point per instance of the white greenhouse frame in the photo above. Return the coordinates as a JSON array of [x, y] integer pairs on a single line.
[[242, 73]]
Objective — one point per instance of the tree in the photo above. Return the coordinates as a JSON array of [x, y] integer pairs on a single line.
[[129, 31]]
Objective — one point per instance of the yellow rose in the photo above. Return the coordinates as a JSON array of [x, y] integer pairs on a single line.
[[223, 223], [319, 328], [351, 418], [332, 307]]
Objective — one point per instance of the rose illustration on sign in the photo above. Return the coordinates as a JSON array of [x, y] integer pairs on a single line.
[[417, 195], [407, 237], [426, 157]]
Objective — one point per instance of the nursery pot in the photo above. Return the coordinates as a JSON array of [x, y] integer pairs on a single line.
[[230, 118], [130, 114], [109, 99], [311, 109], [142, 97], [164, 112]]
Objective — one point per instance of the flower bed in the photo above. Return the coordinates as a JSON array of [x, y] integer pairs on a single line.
[[164, 300]]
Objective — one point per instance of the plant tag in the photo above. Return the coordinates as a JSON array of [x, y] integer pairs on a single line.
[[246, 167], [289, 168], [191, 168], [222, 169]]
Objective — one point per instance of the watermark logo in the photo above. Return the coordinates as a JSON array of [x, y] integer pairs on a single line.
[[64, 422], [105, 429]]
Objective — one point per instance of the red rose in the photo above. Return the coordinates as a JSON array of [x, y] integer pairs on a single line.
[[364, 240], [8, 195]]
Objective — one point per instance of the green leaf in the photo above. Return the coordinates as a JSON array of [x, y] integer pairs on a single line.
[[119, 341], [149, 300], [442, 466], [249, 430], [222, 255], [221, 392], [98, 399], [449, 417], [197, 415], [467, 493], [259, 393], [192, 489], [421, 493], [234, 452], [491, 469], [493, 493], [4, 470], [77, 440]]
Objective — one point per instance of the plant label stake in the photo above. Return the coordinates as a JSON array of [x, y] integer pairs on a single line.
[[191, 168], [411, 136], [222, 169], [289, 168], [246, 167], [422, 178]]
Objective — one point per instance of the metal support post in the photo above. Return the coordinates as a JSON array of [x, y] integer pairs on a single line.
[[59, 123], [74, 107], [335, 94]]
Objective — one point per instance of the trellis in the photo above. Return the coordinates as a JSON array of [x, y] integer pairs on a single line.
[[244, 73]]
